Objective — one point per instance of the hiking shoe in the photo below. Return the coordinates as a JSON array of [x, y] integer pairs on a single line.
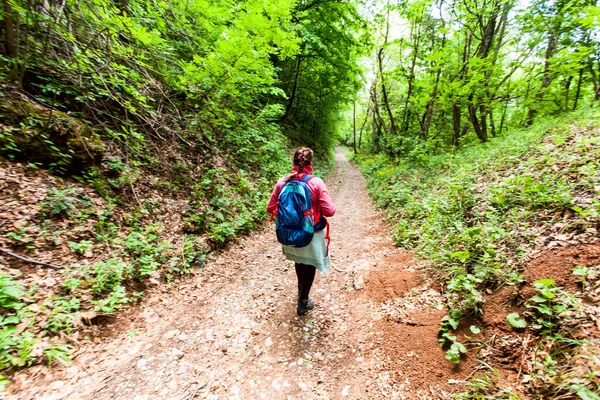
[[305, 306]]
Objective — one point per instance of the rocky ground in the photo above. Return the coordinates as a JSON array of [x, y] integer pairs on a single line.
[[230, 331]]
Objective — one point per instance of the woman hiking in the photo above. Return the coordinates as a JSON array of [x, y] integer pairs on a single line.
[[315, 255]]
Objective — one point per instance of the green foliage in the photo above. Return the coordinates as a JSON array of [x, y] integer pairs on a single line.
[[447, 75], [116, 299], [62, 314], [325, 76], [193, 255], [146, 251], [10, 295], [455, 348], [584, 272], [486, 387], [104, 276], [64, 202], [547, 308], [472, 213], [81, 246], [515, 320], [58, 352], [15, 348], [8, 145], [224, 205], [557, 368], [172, 68]]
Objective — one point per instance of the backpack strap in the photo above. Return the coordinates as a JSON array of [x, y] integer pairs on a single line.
[[327, 238], [285, 178], [307, 178]]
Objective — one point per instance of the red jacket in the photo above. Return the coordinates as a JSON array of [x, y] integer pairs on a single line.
[[322, 203]]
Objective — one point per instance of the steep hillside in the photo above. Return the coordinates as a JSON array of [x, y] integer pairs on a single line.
[[109, 224], [512, 227]]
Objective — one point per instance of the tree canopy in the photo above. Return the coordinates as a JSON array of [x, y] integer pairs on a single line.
[[447, 73]]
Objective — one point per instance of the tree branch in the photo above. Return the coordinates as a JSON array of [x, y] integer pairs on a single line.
[[29, 260]]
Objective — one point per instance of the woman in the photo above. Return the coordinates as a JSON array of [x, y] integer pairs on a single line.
[[316, 255]]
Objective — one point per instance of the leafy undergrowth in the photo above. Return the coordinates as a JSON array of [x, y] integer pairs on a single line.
[[164, 141], [115, 231], [480, 214]]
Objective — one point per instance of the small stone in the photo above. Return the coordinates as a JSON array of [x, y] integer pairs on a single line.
[[177, 353], [359, 282], [345, 391], [154, 281], [170, 334], [56, 385]]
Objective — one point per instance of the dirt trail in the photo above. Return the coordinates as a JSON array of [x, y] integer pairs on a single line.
[[231, 330]]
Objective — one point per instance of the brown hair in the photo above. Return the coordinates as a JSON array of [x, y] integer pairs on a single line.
[[302, 157]]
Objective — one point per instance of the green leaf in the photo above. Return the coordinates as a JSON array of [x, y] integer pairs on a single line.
[[453, 323], [13, 319], [460, 347], [450, 337], [586, 394], [475, 330], [453, 355], [546, 282], [12, 291], [516, 321], [461, 255], [538, 299], [582, 271]]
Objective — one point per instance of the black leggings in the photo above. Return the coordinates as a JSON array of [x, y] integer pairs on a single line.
[[306, 276]]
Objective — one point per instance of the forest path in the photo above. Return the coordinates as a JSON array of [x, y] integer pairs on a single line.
[[230, 331]]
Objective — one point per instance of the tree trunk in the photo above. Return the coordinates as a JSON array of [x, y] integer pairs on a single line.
[[492, 124], [429, 108], [411, 77], [381, 76], [505, 107], [12, 25], [480, 127], [362, 127], [384, 95], [548, 76], [595, 78], [354, 124], [428, 116], [456, 114], [578, 91], [10, 41], [290, 105], [567, 87], [375, 137]]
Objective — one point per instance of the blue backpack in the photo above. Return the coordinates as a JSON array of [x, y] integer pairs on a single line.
[[294, 223]]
